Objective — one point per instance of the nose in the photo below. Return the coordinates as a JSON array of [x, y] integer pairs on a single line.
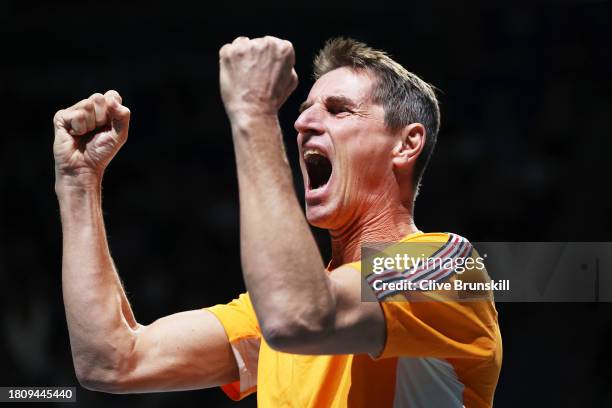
[[310, 122]]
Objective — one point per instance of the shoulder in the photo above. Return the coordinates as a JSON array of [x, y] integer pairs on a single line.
[[434, 237], [416, 246]]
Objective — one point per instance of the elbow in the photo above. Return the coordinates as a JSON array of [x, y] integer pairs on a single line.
[[104, 365], [98, 379], [296, 335], [284, 336], [102, 373]]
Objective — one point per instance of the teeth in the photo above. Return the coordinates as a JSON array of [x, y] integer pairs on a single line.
[[312, 151]]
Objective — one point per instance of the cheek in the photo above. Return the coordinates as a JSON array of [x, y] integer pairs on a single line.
[[367, 161], [362, 170]]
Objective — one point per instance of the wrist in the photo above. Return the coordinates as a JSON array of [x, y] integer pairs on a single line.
[[250, 123], [82, 183], [251, 113]]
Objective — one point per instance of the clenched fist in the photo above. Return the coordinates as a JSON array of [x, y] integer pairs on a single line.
[[256, 76], [87, 137]]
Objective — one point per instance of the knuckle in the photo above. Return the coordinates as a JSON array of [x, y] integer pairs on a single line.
[[259, 44], [79, 115], [108, 99], [287, 48], [114, 94], [97, 97], [223, 50], [83, 105], [58, 117], [88, 106]]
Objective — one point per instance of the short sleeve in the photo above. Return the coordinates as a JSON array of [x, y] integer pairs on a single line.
[[240, 323], [430, 323], [440, 329]]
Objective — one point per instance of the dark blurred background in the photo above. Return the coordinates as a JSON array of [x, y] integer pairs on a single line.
[[525, 99]]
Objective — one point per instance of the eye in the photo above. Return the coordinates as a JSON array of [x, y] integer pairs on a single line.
[[336, 110]]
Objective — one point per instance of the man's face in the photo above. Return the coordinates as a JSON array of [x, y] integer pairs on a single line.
[[345, 149]]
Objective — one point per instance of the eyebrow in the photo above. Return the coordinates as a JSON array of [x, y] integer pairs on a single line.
[[330, 100]]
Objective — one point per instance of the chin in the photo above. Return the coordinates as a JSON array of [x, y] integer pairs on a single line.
[[326, 215], [319, 216]]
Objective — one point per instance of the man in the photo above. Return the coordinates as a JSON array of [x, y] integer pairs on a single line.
[[302, 336]]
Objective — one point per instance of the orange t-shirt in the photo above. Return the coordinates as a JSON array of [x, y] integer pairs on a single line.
[[436, 354]]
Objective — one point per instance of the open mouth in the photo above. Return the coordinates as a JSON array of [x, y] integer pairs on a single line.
[[319, 168]]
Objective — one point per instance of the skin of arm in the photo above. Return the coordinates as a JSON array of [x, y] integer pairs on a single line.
[[301, 307], [111, 351]]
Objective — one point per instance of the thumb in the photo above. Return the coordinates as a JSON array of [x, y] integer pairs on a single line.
[[120, 117], [294, 81]]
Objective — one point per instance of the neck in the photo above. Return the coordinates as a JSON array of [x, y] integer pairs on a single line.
[[389, 224]]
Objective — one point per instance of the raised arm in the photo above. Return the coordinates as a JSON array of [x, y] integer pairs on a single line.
[[301, 308], [112, 352]]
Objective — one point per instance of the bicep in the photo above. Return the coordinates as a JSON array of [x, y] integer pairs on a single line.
[[183, 351]]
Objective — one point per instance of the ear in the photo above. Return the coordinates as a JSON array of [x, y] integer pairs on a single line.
[[409, 146]]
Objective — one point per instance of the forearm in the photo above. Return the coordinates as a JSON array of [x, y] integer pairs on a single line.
[[282, 266], [100, 320]]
